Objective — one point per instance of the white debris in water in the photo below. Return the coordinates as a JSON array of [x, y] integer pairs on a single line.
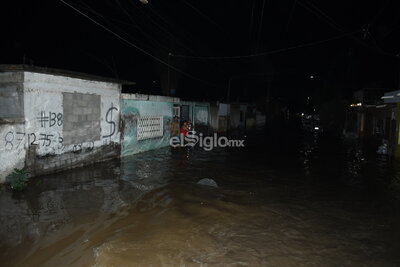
[[208, 182], [383, 149]]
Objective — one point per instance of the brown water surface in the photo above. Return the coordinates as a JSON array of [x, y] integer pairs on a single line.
[[324, 205]]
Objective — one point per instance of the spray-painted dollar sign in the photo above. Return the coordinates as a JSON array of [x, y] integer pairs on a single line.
[[109, 119]]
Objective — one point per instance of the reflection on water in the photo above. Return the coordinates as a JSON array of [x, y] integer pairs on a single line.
[[319, 207]]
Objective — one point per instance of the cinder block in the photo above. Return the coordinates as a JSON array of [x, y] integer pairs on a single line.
[[81, 122], [77, 96], [78, 111], [82, 118], [67, 106], [93, 117], [71, 118], [67, 96], [96, 112], [67, 118], [87, 110], [95, 124], [82, 103], [89, 97]]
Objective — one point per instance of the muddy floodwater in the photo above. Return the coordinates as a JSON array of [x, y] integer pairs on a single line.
[[296, 201]]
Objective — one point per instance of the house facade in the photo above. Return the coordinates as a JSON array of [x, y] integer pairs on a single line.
[[52, 121]]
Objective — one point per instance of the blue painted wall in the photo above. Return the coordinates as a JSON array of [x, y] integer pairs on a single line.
[[130, 111]]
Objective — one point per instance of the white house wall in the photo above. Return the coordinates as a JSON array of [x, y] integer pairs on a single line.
[[12, 151], [44, 112], [37, 142]]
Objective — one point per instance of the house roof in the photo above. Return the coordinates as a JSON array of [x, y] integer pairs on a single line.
[[157, 98], [67, 73]]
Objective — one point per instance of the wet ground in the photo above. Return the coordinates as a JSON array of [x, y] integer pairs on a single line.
[[282, 201]]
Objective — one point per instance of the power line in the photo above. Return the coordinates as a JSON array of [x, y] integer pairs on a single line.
[[137, 26], [269, 52], [323, 14], [204, 15], [251, 21], [290, 17], [293, 70], [260, 26], [86, 7], [380, 12], [190, 50], [169, 35], [320, 14], [137, 47], [104, 19], [135, 23]]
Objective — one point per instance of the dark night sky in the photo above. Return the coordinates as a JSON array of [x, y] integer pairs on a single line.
[[51, 34]]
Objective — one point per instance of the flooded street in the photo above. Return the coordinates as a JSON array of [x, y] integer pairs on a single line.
[[329, 203]]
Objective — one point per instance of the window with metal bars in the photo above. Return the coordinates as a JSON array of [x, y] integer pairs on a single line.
[[149, 127]]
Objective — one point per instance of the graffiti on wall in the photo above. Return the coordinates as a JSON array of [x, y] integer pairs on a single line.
[[78, 148], [53, 119], [14, 139], [110, 121]]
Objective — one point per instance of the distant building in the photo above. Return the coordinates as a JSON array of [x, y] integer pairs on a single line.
[[392, 100], [370, 118]]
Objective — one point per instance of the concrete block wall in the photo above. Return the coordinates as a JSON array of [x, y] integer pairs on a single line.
[[81, 117], [46, 114], [67, 122]]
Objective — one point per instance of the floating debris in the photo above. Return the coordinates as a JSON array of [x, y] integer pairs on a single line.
[[208, 182]]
